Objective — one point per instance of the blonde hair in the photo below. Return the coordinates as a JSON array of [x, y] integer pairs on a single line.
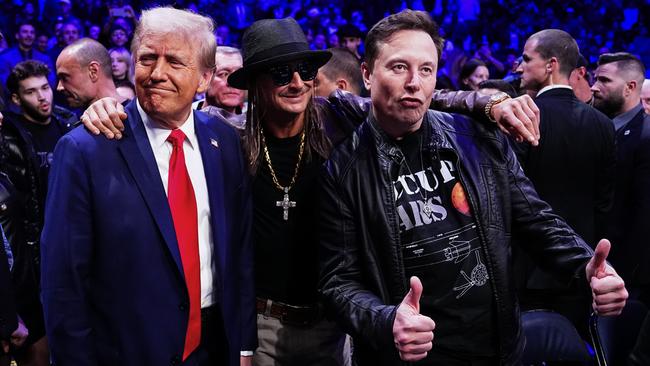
[[125, 56], [196, 29]]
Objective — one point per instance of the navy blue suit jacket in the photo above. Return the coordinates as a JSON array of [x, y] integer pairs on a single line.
[[112, 279]]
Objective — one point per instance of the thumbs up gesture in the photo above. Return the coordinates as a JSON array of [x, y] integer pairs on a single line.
[[607, 287], [412, 332]]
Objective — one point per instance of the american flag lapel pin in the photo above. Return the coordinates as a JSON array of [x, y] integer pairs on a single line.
[[214, 143]]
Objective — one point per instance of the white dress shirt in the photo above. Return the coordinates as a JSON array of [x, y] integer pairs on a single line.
[[162, 150], [554, 86]]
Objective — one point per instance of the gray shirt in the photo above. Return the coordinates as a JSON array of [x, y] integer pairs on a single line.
[[624, 118]]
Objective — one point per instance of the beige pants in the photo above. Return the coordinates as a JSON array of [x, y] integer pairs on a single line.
[[322, 344]]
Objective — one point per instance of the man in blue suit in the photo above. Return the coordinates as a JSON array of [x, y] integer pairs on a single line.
[[146, 249]]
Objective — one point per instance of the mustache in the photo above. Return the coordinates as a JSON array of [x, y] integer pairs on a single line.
[[294, 92]]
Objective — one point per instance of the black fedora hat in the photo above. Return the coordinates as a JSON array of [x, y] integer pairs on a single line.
[[269, 42]]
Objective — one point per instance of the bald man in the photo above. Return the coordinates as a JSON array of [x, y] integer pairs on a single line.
[[84, 72]]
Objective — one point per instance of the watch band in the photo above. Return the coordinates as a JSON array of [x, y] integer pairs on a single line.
[[494, 100]]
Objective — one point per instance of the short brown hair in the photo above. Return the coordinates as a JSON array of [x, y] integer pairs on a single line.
[[87, 50], [625, 62], [344, 64], [559, 44], [404, 20], [24, 70]]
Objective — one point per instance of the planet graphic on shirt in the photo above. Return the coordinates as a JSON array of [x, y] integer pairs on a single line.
[[459, 199]]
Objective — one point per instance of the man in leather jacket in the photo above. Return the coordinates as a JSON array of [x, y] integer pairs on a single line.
[[417, 211], [26, 145], [12, 329]]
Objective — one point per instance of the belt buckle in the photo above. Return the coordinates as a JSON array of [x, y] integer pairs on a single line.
[[286, 319], [267, 308], [306, 316]]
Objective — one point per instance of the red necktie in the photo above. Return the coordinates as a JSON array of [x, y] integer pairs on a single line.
[[182, 203]]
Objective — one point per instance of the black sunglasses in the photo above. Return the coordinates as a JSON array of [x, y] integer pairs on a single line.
[[283, 74]]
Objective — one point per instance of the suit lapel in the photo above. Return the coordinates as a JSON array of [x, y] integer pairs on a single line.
[[209, 145], [136, 151]]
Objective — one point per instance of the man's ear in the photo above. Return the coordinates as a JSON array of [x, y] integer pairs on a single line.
[[93, 71], [583, 72], [630, 86], [15, 99], [553, 64], [204, 81], [343, 85], [366, 73]]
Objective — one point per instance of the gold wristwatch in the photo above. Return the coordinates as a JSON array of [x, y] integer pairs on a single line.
[[495, 99]]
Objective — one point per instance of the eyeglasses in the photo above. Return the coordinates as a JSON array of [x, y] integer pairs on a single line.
[[283, 74]]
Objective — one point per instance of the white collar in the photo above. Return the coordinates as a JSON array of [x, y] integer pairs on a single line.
[[158, 135], [553, 86]]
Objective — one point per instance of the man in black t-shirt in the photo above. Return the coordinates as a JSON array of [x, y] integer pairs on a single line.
[[285, 146], [28, 140]]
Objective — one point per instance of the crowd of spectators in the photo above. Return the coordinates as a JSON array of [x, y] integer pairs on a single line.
[[491, 32], [481, 50]]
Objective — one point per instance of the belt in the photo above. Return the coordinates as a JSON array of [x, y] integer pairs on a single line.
[[289, 314]]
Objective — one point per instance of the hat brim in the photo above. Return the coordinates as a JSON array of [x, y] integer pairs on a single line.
[[240, 78]]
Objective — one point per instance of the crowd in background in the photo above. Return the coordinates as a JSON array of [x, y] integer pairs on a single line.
[[490, 32], [482, 49]]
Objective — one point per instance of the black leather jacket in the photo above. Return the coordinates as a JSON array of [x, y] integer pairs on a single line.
[[362, 273], [21, 198], [8, 320]]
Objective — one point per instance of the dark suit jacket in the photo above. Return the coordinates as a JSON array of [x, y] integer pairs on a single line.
[[630, 226], [572, 168], [112, 278]]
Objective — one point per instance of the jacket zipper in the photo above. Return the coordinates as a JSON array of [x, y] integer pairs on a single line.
[[394, 224]]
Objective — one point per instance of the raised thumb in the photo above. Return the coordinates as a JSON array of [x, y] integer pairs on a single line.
[[597, 265], [412, 298]]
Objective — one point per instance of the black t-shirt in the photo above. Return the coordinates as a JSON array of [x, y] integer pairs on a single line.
[[441, 245], [44, 139], [286, 266]]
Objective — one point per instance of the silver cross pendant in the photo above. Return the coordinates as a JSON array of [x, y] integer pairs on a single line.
[[285, 204]]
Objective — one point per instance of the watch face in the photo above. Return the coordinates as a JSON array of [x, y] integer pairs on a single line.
[[499, 96]]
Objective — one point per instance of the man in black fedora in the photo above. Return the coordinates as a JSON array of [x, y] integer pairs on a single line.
[[285, 144]]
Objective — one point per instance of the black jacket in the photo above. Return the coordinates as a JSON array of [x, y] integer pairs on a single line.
[[362, 274], [573, 166], [572, 169], [22, 216], [630, 226], [8, 320]]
